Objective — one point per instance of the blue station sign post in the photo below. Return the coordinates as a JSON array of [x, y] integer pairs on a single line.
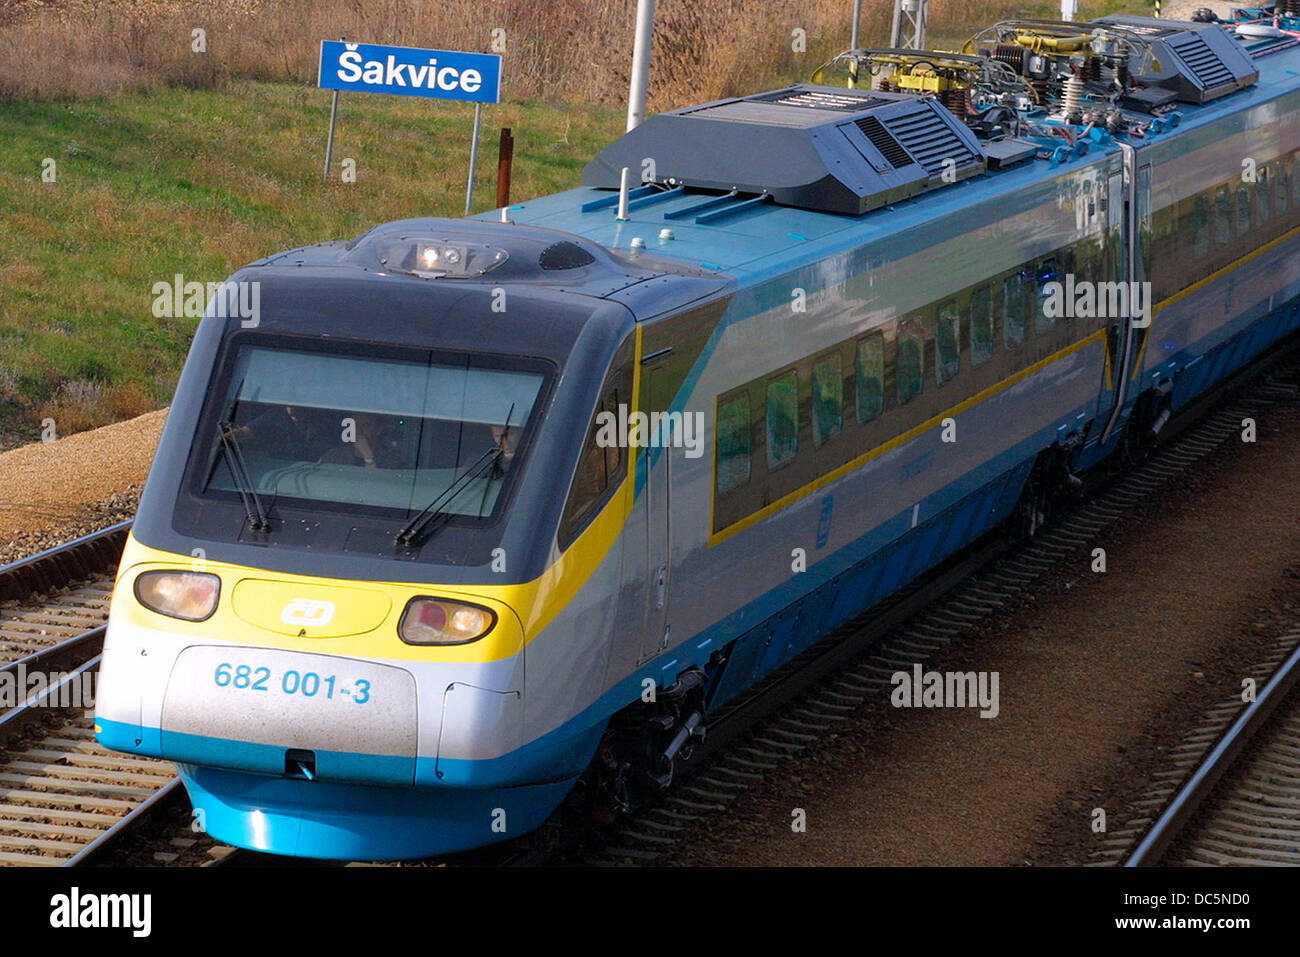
[[408, 71]]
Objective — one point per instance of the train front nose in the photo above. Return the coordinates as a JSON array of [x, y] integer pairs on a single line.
[[328, 719]]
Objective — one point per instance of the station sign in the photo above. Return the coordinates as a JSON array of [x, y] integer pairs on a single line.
[[408, 71]]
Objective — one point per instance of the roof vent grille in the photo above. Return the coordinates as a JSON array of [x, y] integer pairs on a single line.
[[820, 100], [881, 139], [1200, 59], [932, 141]]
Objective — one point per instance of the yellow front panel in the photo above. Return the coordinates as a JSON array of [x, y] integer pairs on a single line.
[[310, 611]]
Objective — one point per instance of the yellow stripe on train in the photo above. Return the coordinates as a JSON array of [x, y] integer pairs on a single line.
[[250, 607]]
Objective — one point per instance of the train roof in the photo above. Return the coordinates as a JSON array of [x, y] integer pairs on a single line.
[[745, 234]]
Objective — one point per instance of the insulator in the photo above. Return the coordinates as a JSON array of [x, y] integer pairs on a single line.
[[1012, 55], [1092, 66], [1293, 8], [957, 101], [1073, 99]]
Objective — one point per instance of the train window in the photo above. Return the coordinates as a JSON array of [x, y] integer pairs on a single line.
[[1013, 310], [981, 325], [869, 369], [1200, 227], [368, 428], [1281, 189], [598, 468], [1048, 272], [910, 367], [733, 442], [947, 343], [1243, 209], [1262, 203], [1222, 216], [782, 419], [592, 477], [827, 398]]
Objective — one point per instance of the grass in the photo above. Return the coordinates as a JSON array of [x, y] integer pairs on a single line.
[[199, 183]]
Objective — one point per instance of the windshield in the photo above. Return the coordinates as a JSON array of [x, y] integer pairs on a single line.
[[370, 431]]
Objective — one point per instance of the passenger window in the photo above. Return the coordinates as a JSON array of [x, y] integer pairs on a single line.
[[1243, 210], [981, 325], [1261, 196], [1222, 216], [869, 367], [1048, 272], [947, 343], [599, 467], [1200, 227], [733, 441], [1013, 310], [910, 368], [782, 419], [827, 398], [1281, 190]]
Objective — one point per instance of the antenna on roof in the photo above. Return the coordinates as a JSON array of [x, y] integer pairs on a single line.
[[621, 215]]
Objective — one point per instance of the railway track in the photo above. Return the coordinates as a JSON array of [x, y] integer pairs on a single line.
[[1231, 794], [62, 796]]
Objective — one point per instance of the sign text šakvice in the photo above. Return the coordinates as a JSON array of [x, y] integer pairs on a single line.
[[405, 71]]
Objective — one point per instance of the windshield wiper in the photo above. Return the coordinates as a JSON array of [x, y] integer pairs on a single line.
[[257, 520], [437, 508]]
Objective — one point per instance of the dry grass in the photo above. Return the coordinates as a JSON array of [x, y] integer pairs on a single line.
[[82, 404], [559, 50]]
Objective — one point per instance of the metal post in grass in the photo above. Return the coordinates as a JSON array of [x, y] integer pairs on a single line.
[[473, 157], [329, 140], [505, 163], [645, 19], [857, 20]]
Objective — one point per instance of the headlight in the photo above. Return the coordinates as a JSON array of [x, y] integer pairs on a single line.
[[436, 621], [188, 595]]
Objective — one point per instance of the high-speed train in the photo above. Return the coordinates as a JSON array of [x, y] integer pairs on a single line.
[[473, 509]]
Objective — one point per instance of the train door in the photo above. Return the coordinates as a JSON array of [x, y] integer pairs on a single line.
[[1142, 262], [658, 504], [1129, 331], [1112, 269]]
